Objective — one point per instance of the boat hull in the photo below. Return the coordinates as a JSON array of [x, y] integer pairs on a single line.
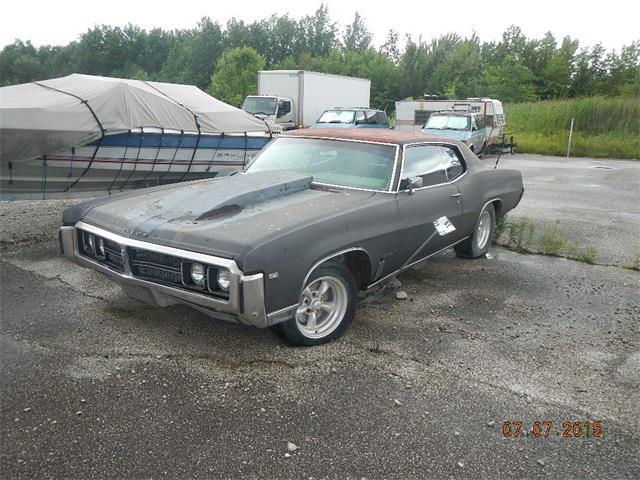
[[131, 160]]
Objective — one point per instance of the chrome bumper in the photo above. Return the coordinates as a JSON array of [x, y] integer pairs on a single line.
[[246, 292]]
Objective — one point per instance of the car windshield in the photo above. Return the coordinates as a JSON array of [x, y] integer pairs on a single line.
[[333, 162], [337, 116], [448, 122], [260, 105]]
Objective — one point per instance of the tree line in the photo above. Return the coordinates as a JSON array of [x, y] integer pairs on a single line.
[[224, 60]]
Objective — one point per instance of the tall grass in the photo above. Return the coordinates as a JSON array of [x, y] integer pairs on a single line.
[[606, 127]]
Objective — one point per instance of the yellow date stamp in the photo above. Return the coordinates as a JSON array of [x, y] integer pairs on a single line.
[[549, 428]]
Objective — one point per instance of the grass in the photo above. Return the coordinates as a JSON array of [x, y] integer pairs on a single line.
[[605, 127], [521, 236], [552, 240]]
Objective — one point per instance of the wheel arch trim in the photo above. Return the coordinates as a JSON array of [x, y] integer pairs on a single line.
[[333, 255]]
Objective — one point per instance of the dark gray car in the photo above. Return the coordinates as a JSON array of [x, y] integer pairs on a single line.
[[318, 216]]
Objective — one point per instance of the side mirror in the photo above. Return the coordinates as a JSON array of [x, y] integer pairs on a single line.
[[410, 184]]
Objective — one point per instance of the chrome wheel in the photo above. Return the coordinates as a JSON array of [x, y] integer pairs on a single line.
[[484, 229], [322, 306]]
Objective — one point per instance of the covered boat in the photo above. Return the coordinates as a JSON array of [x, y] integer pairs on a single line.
[[89, 133]]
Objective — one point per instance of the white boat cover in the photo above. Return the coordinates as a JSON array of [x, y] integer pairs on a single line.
[[45, 117]]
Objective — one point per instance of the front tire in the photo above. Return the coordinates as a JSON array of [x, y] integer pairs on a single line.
[[477, 245], [326, 307]]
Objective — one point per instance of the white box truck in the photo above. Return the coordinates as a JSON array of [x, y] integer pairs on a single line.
[[290, 99]]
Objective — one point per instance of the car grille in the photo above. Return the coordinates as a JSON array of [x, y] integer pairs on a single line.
[[156, 267], [112, 258], [148, 265]]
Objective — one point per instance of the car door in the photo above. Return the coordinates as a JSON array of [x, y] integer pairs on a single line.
[[477, 135], [430, 215]]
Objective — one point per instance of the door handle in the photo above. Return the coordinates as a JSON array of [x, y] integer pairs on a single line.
[[455, 195]]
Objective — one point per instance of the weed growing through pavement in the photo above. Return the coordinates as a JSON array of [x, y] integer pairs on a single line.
[[520, 236], [501, 226], [552, 240]]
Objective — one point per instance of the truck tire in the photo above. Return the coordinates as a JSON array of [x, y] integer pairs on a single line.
[[326, 308], [477, 245]]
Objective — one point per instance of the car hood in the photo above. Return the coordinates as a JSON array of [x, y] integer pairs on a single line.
[[226, 217], [455, 134]]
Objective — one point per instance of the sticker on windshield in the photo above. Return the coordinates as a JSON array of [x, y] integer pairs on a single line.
[[443, 226]]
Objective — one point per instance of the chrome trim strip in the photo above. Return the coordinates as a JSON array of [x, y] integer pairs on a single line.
[[281, 315], [491, 201], [154, 247], [416, 262], [328, 257]]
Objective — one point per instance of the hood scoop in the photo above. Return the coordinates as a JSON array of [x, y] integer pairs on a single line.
[[243, 190]]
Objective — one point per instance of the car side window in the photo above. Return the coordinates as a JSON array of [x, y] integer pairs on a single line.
[[426, 162], [382, 118], [360, 118], [453, 166]]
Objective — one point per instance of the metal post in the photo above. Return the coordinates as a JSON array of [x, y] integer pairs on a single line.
[[570, 137]]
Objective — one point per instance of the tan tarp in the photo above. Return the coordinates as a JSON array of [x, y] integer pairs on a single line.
[[38, 118]]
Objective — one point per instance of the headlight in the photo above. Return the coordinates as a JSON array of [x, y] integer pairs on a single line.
[[224, 278], [197, 274]]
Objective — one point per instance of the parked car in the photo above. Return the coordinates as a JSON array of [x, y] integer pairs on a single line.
[[317, 217], [352, 118], [469, 128]]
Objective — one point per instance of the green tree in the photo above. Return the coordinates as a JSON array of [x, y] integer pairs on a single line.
[[194, 55], [390, 46], [319, 32], [236, 75], [356, 37], [510, 82], [19, 63], [559, 71]]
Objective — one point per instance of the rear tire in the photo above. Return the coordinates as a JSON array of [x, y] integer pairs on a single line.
[[477, 245], [325, 310]]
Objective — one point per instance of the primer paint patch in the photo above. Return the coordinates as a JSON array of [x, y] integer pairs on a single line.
[[444, 226]]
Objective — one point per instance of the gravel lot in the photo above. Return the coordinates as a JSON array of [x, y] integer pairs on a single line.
[[95, 385], [597, 201]]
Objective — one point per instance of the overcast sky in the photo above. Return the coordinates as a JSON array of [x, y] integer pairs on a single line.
[[613, 23]]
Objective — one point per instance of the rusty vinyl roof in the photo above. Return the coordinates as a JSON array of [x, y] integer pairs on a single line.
[[382, 135]]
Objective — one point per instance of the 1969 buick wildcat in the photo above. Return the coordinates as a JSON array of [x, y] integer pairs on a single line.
[[317, 217]]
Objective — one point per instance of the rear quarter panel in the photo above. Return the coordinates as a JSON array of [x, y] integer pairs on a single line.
[[483, 184]]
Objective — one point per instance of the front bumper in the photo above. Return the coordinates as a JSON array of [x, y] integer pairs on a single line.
[[246, 292]]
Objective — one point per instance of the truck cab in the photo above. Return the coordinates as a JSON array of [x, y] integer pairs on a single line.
[[468, 127], [352, 118], [277, 111]]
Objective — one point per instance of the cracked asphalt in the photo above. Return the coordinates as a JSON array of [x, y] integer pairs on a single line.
[[96, 385], [597, 201]]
